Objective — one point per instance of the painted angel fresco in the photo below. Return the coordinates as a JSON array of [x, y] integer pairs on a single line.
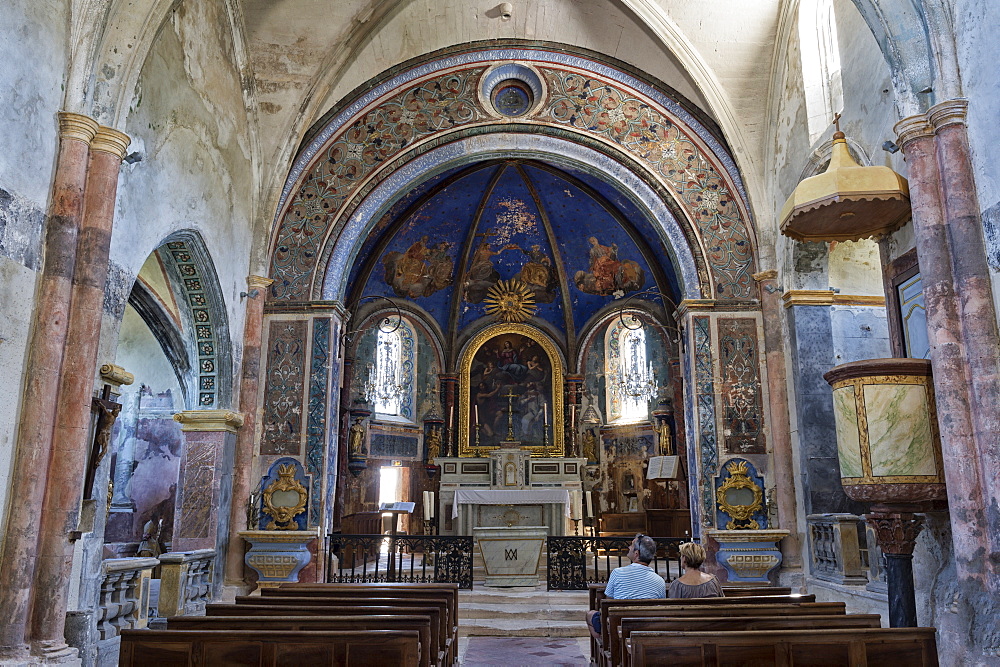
[[420, 271], [608, 274]]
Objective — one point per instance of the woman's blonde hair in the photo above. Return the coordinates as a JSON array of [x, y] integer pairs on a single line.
[[693, 553]]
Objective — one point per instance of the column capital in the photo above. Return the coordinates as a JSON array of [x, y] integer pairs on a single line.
[[896, 530], [949, 112], [209, 420], [688, 305], [912, 128], [116, 375], [110, 140], [258, 282], [807, 297], [77, 126]]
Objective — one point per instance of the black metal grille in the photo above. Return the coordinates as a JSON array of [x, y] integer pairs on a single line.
[[400, 559], [574, 562]]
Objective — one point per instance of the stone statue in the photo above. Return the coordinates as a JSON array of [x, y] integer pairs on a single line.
[[433, 443], [356, 440], [590, 445], [150, 545]]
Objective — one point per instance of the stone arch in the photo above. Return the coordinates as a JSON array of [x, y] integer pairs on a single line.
[[203, 316], [586, 100]]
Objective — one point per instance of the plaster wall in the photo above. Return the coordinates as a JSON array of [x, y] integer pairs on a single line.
[[32, 96], [977, 23], [188, 122]]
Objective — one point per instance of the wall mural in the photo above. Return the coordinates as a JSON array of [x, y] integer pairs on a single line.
[[591, 98], [608, 274], [423, 269]]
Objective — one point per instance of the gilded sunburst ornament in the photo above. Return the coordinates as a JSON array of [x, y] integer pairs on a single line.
[[510, 301]]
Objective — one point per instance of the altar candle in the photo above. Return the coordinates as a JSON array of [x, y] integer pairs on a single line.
[[590, 503], [576, 508], [430, 497], [451, 416], [476, 407], [427, 505], [545, 413], [572, 415]]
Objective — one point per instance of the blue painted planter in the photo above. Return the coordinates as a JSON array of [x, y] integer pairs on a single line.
[[277, 556], [748, 555]]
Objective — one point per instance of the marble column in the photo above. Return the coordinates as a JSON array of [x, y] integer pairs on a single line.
[[896, 529], [70, 446], [781, 439], [948, 354], [41, 385], [249, 395], [205, 485], [574, 394]]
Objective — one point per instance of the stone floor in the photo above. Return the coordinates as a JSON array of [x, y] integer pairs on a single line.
[[525, 625]]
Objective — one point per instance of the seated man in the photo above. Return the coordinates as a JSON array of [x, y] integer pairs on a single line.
[[637, 581]]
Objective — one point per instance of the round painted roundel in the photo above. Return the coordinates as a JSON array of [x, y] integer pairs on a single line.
[[512, 98]]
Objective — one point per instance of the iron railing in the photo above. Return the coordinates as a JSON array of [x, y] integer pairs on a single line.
[[574, 562], [399, 559]]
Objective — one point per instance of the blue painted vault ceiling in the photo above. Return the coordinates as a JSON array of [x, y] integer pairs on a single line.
[[575, 241]]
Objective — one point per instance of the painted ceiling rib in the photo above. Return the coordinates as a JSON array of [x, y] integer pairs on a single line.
[[468, 244], [550, 235]]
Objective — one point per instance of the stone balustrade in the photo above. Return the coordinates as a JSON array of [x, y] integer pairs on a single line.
[[124, 601], [185, 582], [836, 542]]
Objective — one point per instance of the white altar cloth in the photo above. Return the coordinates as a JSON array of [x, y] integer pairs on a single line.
[[519, 497]]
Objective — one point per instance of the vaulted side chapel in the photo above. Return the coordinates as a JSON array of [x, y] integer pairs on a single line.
[[404, 291]]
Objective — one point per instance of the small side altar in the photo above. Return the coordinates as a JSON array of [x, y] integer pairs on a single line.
[[511, 555], [508, 488]]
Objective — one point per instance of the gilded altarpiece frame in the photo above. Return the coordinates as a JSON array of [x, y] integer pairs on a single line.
[[528, 370]]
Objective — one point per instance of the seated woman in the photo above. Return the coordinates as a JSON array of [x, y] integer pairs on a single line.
[[694, 583]]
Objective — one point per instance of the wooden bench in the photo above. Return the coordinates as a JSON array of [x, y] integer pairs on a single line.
[[268, 648], [596, 592], [608, 603], [357, 623], [620, 628], [856, 647], [352, 607], [447, 591]]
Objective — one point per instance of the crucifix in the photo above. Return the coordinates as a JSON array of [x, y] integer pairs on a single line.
[[836, 121], [107, 413], [510, 414]]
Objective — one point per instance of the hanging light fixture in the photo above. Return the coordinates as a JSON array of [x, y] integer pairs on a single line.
[[847, 202], [635, 383]]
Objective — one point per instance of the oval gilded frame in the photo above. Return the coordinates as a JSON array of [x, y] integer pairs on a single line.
[[557, 445]]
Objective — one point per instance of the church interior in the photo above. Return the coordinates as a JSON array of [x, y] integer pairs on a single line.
[[344, 293]]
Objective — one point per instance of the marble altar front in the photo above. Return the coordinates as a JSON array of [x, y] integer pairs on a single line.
[[511, 554]]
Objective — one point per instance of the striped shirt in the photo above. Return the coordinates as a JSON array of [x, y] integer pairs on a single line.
[[635, 582]]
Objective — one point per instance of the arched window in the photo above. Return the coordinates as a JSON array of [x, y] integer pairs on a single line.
[[820, 64], [630, 376], [390, 383]]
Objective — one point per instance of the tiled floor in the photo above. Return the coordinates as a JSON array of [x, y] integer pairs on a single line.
[[482, 651]]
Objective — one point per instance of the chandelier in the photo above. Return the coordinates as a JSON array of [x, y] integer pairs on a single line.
[[382, 386], [634, 382]]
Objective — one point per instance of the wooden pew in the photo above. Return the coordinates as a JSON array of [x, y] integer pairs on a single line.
[[855, 647], [446, 590], [268, 648], [353, 607], [357, 623], [596, 592], [608, 603], [620, 628]]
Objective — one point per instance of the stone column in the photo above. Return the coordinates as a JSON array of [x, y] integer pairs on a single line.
[[781, 439], [574, 393], [205, 484], [243, 460], [896, 529], [948, 354], [70, 446], [39, 398]]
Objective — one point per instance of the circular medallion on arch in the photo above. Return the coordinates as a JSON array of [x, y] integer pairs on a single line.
[[511, 90]]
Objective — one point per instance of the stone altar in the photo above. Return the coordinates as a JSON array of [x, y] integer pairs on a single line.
[[516, 472], [511, 555]]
